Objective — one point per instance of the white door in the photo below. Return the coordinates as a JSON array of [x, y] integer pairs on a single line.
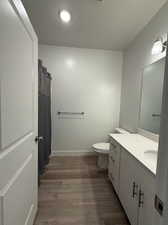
[[128, 192], [18, 115]]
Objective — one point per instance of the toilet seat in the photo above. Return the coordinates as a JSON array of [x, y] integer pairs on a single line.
[[102, 148]]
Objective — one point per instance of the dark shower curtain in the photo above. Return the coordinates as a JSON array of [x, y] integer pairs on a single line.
[[44, 121]]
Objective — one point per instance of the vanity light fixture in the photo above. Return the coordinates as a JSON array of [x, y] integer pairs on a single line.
[[65, 16], [158, 47]]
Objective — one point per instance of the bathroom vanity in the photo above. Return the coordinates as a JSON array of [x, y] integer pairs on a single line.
[[133, 157], [132, 171]]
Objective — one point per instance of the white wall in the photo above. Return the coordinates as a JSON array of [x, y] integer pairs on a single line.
[[136, 57], [83, 80]]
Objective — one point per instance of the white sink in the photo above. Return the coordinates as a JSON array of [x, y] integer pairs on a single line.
[[151, 154]]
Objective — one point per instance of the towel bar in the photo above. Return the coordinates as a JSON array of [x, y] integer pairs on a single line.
[[70, 113]]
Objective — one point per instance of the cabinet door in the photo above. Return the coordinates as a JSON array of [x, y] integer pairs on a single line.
[[116, 172], [114, 165], [147, 193], [111, 168], [111, 161], [128, 192]]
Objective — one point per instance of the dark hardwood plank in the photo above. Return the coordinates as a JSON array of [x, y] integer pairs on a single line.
[[74, 192]]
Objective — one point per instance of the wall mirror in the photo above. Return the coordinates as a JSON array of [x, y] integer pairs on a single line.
[[151, 98]]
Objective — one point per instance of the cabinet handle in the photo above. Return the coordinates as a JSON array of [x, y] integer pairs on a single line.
[[141, 199], [134, 190], [112, 159]]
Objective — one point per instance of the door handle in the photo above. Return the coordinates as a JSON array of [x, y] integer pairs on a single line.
[[38, 139], [141, 199], [134, 190]]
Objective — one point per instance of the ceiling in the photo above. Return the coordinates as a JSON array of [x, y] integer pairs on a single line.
[[110, 24]]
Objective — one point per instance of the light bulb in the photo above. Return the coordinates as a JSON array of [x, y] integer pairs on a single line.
[[65, 16], [157, 47]]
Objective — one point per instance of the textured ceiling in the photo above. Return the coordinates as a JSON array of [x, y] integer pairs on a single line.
[[110, 24]]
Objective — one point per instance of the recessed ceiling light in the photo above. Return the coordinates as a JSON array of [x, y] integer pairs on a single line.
[[65, 16]]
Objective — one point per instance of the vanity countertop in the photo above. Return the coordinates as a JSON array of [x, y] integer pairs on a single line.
[[137, 145]]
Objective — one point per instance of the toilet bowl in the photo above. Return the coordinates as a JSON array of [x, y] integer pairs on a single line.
[[103, 151], [103, 148]]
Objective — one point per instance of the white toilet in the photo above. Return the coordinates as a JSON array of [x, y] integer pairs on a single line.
[[102, 149]]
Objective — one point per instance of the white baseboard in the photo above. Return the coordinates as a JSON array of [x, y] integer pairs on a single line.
[[73, 153]]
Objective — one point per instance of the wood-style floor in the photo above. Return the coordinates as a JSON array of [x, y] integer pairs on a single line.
[[74, 192]]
